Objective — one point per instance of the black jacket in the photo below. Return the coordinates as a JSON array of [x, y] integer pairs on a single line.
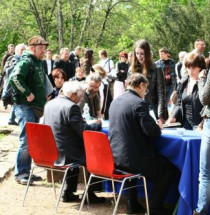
[[74, 60], [131, 130], [157, 95], [66, 66], [67, 125], [121, 76], [44, 62], [179, 110]]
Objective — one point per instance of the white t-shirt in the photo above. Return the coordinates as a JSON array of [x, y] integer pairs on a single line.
[[49, 66], [107, 64]]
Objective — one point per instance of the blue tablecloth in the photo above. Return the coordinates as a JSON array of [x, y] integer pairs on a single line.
[[183, 152]]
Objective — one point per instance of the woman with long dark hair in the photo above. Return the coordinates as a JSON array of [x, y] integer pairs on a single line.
[[87, 61], [143, 64]]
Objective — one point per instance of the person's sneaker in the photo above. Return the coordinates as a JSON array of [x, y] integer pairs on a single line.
[[36, 178], [94, 199], [23, 180], [134, 207], [12, 123], [69, 197]]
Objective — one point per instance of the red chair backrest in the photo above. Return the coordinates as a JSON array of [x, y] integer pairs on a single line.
[[99, 158], [41, 144]]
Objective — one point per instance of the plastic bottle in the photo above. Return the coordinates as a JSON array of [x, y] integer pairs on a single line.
[[86, 112]]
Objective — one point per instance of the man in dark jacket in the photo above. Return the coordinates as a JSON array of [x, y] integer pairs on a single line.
[[65, 64], [28, 81], [131, 130], [74, 57], [68, 125], [48, 65]]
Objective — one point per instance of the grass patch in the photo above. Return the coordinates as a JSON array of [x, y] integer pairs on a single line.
[[2, 135]]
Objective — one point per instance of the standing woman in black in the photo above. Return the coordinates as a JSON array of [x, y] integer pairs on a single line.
[[121, 73], [143, 64]]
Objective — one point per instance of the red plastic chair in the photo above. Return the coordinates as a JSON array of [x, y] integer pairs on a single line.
[[100, 164], [42, 149]]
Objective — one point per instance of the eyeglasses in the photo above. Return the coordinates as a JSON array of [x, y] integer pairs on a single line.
[[147, 91]]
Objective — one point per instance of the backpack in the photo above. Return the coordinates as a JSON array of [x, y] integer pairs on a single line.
[[2, 75], [8, 92]]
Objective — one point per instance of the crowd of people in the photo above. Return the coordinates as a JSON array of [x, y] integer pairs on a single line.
[[59, 87]]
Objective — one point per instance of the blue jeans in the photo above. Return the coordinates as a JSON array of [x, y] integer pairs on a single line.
[[204, 177], [12, 115], [24, 113]]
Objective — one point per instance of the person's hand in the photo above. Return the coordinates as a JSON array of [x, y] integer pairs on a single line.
[[171, 120], [168, 76], [98, 121], [48, 98], [161, 120], [31, 97], [202, 74], [160, 124]]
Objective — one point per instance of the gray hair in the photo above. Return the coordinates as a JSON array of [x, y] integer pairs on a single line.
[[62, 50], [181, 53], [19, 47], [72, 87], [78, 48], [93, 77]]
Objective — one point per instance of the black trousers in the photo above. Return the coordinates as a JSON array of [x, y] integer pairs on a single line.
[[72, 181], [161, 173]]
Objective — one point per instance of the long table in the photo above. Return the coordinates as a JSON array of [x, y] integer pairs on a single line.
[[183, 152]]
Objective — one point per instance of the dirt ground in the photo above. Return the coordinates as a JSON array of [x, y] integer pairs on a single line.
[[40, 200]]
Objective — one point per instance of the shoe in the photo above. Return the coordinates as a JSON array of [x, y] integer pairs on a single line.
[[24, 180], [69, 197], [12, 123], [134, 207], [93, 199], [36, 178]]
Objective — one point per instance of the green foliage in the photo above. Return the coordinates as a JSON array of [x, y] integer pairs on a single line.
[[174, 24]]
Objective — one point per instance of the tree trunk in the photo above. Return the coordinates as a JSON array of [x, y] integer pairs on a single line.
[[38, 19], [73, 8], [107, 13], [87, 19], [60, 24]]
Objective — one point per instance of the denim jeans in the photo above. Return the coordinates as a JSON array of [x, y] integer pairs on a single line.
[[204, 177], [12, 115], [24, 113]]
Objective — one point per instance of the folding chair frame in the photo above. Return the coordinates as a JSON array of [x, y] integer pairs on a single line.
[[120, 192], [63, 169]]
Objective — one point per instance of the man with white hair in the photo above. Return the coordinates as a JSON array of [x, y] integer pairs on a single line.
[[64, 116], [10, 63]]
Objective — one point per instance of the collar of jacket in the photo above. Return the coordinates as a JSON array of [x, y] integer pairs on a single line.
[[135, 93]]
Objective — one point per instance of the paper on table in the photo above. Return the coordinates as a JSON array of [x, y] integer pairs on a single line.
[[171, 125], [105, 123]]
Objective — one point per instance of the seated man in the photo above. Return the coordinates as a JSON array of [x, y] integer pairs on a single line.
[[91, 96], [64, 117], [131, 130]]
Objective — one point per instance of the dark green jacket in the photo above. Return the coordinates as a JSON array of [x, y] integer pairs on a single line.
[[25, 81]]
